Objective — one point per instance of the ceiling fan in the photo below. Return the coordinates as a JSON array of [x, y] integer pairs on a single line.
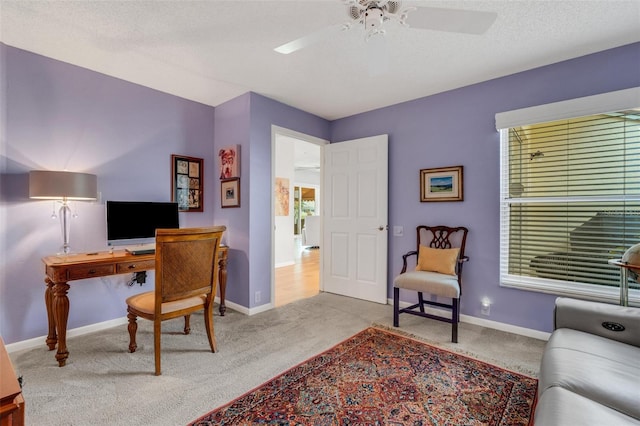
[[372, 15]]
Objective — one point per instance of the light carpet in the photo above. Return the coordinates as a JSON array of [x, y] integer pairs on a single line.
[[104, 384]]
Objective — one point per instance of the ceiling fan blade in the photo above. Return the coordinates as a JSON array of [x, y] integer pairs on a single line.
[[451, 20], [377, 55], [307, 40]]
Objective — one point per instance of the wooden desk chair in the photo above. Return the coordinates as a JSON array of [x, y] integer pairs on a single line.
[[186, 278], [440, 256]]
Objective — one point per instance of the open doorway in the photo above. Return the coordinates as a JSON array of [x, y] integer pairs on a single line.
[[297, 196]]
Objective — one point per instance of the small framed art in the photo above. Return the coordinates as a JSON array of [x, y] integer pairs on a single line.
[[229, 162], [187, 182], [230, 193], [441, 184], [281, 193]]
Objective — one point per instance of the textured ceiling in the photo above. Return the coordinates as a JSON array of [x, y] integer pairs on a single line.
[[212, 51]]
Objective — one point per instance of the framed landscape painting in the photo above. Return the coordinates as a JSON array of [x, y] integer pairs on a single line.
[[441, 184]]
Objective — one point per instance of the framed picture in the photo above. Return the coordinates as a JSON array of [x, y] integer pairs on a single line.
[[281, 193], [441, 184], [230, 193], [229, 162], [187, 182]]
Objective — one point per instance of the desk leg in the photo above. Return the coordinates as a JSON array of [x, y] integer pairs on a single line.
[[52, 337], [222, 279], [61, 313]]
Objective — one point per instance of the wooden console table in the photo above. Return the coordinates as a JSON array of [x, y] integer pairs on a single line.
[[61, 269], [11, 400]]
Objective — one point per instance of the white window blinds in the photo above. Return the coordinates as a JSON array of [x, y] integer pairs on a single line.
[[570, 201]]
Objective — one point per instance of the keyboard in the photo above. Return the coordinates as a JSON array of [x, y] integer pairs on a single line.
[[142, 249]]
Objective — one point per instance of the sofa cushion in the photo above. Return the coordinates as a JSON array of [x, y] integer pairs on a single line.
[[558, 406], [589, 316], [594, 367], [429, 282]]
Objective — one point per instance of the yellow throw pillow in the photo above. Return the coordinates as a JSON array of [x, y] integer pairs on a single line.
[[442, 261]]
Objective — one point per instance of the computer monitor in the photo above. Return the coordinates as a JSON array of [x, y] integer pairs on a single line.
[[135, 222]]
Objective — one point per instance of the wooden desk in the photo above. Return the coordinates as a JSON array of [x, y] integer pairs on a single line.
[[61, 269]]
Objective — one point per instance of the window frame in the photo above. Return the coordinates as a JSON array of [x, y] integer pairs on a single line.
[[591, 105]]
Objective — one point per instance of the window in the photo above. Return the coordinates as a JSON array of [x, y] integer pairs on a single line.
[[570, 200]]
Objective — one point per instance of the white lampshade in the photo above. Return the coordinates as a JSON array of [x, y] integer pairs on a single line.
[[44, 184]]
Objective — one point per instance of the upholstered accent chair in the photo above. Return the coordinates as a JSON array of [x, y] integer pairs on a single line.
[[438, 272], [185, 282], [311, 231]]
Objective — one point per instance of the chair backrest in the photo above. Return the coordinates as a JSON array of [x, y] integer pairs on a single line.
[[186, 262], [312, 230], [442, 237]]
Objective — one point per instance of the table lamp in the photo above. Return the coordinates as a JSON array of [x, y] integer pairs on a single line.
[[63, 187]]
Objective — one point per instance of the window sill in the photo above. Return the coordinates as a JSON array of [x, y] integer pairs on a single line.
[[570, 289]]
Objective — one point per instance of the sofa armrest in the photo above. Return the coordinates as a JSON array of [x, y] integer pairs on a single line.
[[601, 319]]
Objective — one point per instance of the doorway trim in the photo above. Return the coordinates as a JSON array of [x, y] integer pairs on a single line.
[[282, 131]]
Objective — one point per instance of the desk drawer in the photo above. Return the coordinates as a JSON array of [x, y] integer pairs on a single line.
[[78, 273], [143, 265]]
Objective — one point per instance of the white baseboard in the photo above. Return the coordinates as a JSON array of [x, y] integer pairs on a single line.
[[91, 328], [245, 310], [261, 308], [40, 341], [509, 328], [287, 263]]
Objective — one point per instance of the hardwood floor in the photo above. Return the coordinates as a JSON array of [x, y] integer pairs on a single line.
[[300, 280]]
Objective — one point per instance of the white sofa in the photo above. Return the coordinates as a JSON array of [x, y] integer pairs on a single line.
[[590, 370]]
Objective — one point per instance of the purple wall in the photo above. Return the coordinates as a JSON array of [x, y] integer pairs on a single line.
[[59, 117], [458, 128], [232, 121], [266, 112], [246, 121]]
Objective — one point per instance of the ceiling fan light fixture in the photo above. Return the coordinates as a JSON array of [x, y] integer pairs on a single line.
[[373, 18], [372, 14]]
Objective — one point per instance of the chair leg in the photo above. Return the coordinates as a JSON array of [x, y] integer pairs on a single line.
[[421, 301], [187, 324], [156, 343], [133, 329], [396, 307], [208, 322], [455, 319]]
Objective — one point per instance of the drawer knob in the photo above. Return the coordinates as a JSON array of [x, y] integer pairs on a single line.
[[132, 266], [92, 271]]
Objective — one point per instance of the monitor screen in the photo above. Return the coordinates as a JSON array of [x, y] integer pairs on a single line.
[[135, 222]]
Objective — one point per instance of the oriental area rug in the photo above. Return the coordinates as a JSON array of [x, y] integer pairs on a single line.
[[382, 378]]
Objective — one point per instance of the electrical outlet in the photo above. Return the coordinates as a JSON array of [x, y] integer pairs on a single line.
[[485, 306], [257, 296]]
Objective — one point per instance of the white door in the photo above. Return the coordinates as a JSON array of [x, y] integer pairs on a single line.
[[354, 250]]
